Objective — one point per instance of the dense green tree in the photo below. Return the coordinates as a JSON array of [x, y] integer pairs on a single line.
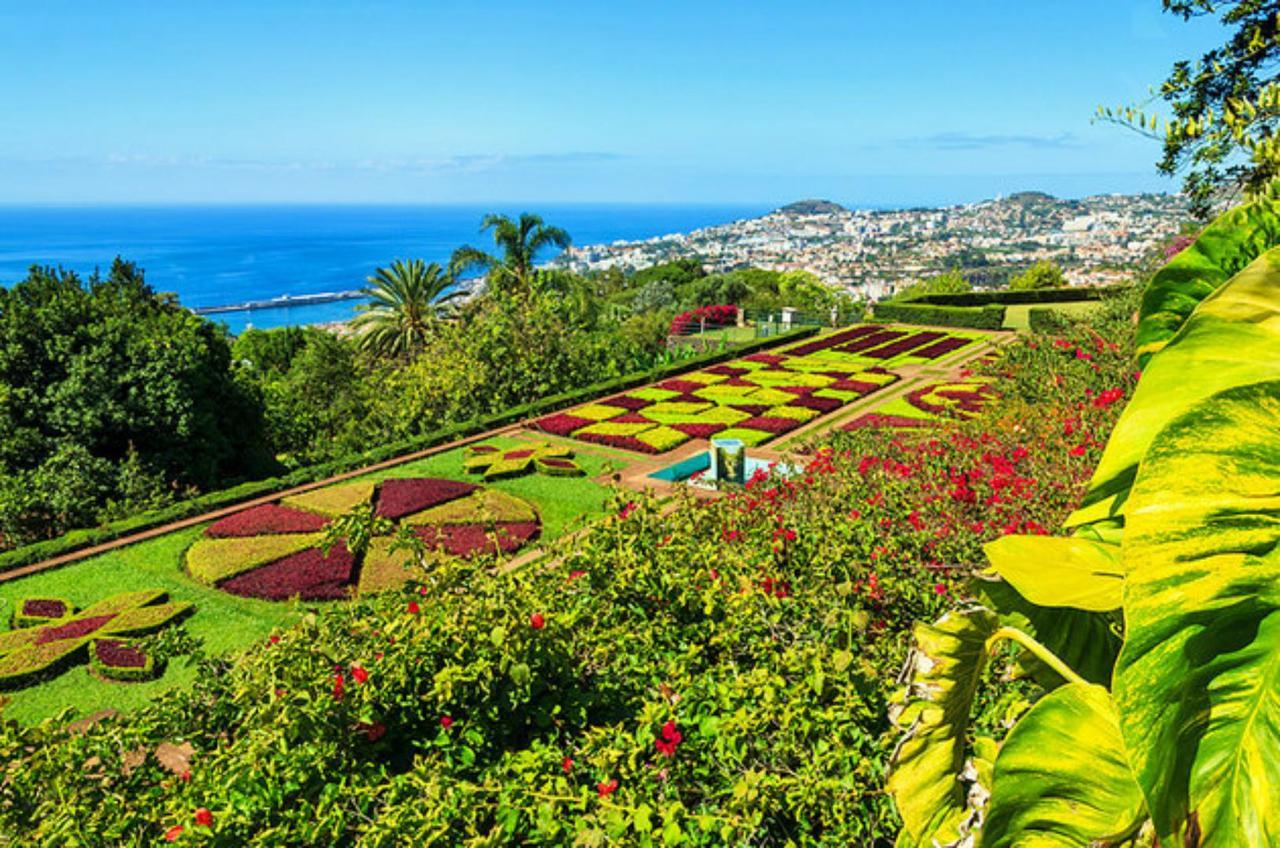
[[948, 282], [107, 384], [1225, 106], [407, 298], [518, 243], [1042, 275]]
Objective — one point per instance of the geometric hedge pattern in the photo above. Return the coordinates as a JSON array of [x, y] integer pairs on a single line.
[[496, 464], [929, 404], [756, 398], [274, 552], [43, 642]]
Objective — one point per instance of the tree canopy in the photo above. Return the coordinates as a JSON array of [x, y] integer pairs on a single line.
[[1042, 275]]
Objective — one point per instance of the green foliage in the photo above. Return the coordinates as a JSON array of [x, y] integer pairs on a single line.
[[112, 393], [989, 317], [1042, 275], [518, 244], [1219, 252], [948, 282], [1225, 106], [405, 299]]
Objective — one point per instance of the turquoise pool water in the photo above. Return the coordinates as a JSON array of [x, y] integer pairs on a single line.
[[697, 471]]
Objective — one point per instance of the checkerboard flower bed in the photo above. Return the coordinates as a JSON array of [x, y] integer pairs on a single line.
[[807, 381], [279, 564], [941, 348]]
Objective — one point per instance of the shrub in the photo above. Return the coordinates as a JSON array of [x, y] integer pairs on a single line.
[[989, 317], [719, 315]]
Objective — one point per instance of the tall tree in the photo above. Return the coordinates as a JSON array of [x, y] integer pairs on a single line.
[[1225, 107], [517, 242], [407, 299]]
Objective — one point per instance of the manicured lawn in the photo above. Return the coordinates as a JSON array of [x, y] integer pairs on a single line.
[[225, 623], [1015, 317]]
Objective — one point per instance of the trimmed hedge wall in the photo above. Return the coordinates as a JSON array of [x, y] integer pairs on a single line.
[[1070, 294], [90, 536], [989, 317]]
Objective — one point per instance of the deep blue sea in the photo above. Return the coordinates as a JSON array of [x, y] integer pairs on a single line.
[[220, 255]]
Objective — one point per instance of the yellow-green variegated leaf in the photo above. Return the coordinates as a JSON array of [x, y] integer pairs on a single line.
[[1088, 642], [1060, 572], [1230, 340], [932, 710], [1062, 779], [1227, 245], [1198, 680]]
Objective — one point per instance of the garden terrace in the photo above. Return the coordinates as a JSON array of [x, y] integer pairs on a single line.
[[760, 397]]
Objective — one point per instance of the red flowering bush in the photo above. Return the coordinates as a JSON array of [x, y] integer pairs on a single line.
[[692, 321]]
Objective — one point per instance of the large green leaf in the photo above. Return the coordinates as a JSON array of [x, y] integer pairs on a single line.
[[1221, 250], [1088, 642], [1198, 679], [1232, 339], [1062, 779], [941, 678], [1053, 571]]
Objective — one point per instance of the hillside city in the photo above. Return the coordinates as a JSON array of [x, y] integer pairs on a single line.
[[872, 253]]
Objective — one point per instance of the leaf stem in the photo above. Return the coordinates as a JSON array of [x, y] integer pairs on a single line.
[[1041, 653]]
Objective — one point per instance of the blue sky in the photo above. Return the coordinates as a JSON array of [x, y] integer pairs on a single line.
[[691, 101]]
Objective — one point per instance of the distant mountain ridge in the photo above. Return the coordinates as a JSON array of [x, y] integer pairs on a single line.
[[812, 207]]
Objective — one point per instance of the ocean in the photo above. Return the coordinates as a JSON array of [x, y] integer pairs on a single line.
[[224, 255]]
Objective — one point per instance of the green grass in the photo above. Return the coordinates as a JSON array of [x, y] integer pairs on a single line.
[[1016, 316], [225, 623]]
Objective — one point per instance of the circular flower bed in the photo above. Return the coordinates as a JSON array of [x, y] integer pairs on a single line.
[[275, 552]]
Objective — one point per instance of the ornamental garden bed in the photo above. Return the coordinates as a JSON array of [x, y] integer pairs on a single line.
[[929, 404], [756, 398], [276, 552]]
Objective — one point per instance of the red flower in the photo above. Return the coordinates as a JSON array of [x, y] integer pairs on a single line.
[[940, 588], [339, 686], [204, 818], [669, 738], [372, 730], [1078, 450], [626, 511], [567, 764], [536, 621], [185, 777], [915, 520], [172, 834], [273, 639], [359, 675], [607, 787], [413, 608], [574, 575], [446, 722]]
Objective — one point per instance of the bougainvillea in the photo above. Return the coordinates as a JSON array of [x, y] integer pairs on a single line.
[[27, 653], [283, 563], [716, 315]]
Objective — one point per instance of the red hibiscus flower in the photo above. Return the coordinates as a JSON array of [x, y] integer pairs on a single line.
[[607, 787], [536, 621], [204, 818], [413, 608], [359, 675], [339, 686], [446, 722], [567, 764], [172, 834], [669, 738]]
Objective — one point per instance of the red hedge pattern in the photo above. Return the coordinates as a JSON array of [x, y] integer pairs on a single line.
[[398, 498], [268, 519], [770, 424], [308, 574], [467, 540], [116, 654], [626, 402], [699, 431], [44, 608]]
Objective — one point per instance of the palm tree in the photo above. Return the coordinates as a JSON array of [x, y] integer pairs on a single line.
[[407, 299], [517, 242]]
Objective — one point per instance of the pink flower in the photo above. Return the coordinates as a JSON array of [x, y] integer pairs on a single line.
[[446, 722], [940, 588]]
